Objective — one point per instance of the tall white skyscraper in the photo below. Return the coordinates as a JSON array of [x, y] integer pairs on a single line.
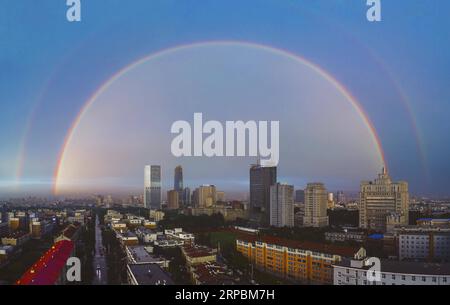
[[282, 205], [152, 186], [316, 201]]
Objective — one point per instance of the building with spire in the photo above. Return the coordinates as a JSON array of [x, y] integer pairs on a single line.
[[382, 199]]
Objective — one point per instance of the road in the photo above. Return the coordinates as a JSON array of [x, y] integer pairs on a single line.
[[99, 258]]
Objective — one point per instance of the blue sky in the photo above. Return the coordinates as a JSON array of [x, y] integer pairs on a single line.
[[49, 68]]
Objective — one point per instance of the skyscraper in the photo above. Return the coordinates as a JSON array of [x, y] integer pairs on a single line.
[[282, 205], [380, 199], [178, 183], [152, 186], [300, 196], [316, 200], [187, 196], [261, 178], [340, 197], [205, 196], [172, 200]]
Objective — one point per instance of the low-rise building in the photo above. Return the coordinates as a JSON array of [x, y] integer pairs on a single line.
[[40, 228], [71, 233], [16, 239], [4, 229], [211, 273], [156, 215], [343, 236], [178, 234], [356, 271], [147, 235], [128, 238], [196, 254], [143, 255], [424, 245], [434, 222], [228, 212]]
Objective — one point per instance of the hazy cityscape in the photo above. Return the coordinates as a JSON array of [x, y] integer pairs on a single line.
[[196, 235]]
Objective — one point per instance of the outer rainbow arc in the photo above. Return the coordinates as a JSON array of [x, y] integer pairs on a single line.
[[292, 56]]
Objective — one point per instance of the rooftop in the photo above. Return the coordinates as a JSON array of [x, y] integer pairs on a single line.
[[141, 255], [47, 269], [198, 251], [345, 251], [150, 274], [212, 273], [408, 267]]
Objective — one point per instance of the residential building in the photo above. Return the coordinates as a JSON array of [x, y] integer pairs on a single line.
[[315, 206], [281, 205], [304, 262], [356, 272]]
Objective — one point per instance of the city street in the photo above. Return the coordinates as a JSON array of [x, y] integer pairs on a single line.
[[99, 258]]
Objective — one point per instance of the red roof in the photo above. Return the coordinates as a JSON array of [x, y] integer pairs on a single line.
[[48, 268]]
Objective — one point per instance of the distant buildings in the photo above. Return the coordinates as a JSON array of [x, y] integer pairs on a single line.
[[380, 198], [205, 196], [261, 178], [178, 184], [281, 205], [300, 196], [173, 202], [315, 206], [229, 213], [186, 196], [340, 197], [152, 186]]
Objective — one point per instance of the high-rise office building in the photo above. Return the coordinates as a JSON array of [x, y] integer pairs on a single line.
[[380, 199], [172, 200], [152, 186], [186, 196], [282, 205], [340, 197], [300, 196], [316, 200], [205, 196], [261, 178], [178, 183]]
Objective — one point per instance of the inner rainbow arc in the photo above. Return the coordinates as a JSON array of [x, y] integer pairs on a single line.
[[357, 106]]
